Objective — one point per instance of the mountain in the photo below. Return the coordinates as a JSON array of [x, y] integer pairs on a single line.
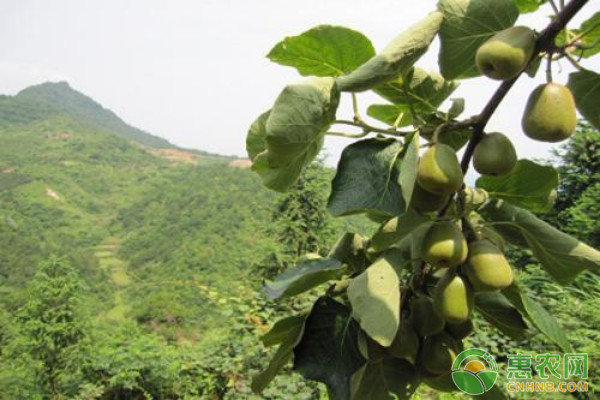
[[49, 99]]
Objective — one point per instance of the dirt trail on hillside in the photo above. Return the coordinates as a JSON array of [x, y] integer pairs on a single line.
[[107, 254]]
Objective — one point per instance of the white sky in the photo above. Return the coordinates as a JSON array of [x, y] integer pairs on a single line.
[[195, 72]]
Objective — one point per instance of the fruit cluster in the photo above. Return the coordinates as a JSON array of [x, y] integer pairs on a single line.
[[435, 321]]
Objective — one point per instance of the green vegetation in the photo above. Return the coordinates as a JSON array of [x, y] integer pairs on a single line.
[[148, 250], [439, 263], [132, 269]]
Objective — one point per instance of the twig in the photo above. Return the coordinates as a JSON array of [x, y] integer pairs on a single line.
[[348, 135], [369, 128]]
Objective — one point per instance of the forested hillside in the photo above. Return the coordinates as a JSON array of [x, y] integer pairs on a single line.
[[162, 252]]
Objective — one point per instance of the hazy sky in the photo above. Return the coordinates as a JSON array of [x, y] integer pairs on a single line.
[[195, 72]]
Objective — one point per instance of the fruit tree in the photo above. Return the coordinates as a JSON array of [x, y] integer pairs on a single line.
[[397, 305]]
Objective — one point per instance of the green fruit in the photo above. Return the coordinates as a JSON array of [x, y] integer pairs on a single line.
[[425, 201], [507, 53], [453, 298], [494, 155], [424, 316], [550, 113], [487, 268], [406, 342], [444, 245], [369, 349], [438, 354], [461, 330], [439, 171]]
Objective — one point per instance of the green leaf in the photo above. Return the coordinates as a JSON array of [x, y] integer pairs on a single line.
[[453, 138], [378, 381], [457, 108], [280, 359], [396, 58], [585, 86], [529, 185], [527, 6], [561, 255], [396, 229], [495, 393], [256, 139], [391, 114], [590, 37], [328, 351], [539, 317], [408, 167], [467, 24], [367, 179], [295, 130], [499, 312], [375, 299], [325, 50], [283, 330], [303, 277], [424, 91], [350, 249]]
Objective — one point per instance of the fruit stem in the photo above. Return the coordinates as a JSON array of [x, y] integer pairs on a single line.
[[549, 68]]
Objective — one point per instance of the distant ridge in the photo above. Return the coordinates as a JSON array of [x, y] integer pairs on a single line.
[[52, 99]]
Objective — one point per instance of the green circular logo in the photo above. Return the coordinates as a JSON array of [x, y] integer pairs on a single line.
[[474, 371]]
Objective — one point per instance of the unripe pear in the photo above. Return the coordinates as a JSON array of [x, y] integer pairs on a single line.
[[461, 330], [406, 342], [425, 318], [453, 298], [494, 155], [425, 201], [507, 53], [438, 353], [487, 267], [550, 113], [444, 245], [439, 171]]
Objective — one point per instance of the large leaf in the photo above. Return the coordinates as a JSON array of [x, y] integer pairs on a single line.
[[378, 381], [324, 50], [396, 58], [529, 185], [295, 129], [539, 317], [499, 312], [303, 277], [375, 299], [367, 179], [527, 6], [396, 229], [328, 351], [561, 255], [423, 90], [585, 86], [467, 24], [256, 140], [283, 330], [281, 357]]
